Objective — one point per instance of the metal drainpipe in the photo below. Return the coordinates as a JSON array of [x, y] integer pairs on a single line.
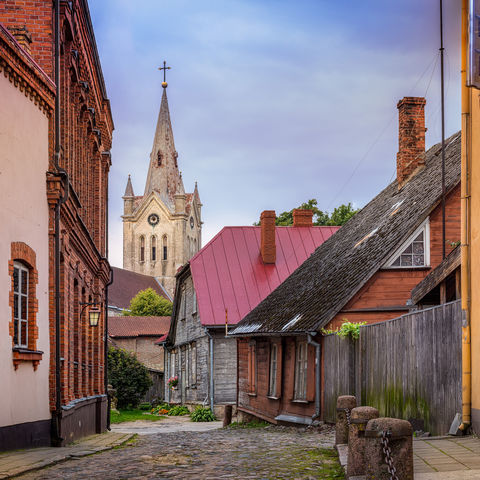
[[105, 346], [318, 360], [465, 232], [212, 390], [57, 439]]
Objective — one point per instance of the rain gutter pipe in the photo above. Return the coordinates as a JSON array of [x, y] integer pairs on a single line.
[[465, 230], [318, 360], [57, 439], [105, 351], [211, 368]]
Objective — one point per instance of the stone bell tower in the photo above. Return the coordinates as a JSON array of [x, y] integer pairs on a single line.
[[162, 229]]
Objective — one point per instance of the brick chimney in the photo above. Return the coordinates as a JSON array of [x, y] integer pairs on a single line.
[[267, 236], [302, 217], [411, 136]]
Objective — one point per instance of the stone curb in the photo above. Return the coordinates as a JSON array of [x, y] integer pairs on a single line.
[[63, 457]]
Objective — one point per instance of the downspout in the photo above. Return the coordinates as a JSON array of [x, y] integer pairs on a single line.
[[318, 360], [212, 391], [465, 231], [57, 439], [105, 346]]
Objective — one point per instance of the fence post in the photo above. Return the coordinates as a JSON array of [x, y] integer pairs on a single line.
[[356, 439], [388, 449], [227, 415], [345, 404]]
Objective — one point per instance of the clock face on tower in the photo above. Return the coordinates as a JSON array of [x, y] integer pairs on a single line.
[[153, 219], [192, 222]]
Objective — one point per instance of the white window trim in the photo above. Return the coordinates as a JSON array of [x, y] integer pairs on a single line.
[[272, 381], [21, 268], [301, 372], [425, 227], [194, 302]]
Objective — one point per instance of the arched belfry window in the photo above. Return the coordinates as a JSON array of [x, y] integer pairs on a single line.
[[154, 248], [164, 248], [142, 248]]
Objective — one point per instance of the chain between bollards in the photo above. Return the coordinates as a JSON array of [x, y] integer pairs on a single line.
[[388, 455]]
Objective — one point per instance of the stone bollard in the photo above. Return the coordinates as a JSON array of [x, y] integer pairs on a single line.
[[227, 415], [400, 447], [359, 418], [345, 404]]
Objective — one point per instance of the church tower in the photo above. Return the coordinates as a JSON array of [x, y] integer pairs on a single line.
[[162, 229]]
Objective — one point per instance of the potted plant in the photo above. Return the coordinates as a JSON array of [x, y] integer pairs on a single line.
[[172, 382]]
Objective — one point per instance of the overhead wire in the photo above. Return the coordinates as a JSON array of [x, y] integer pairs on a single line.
[[433, 62]]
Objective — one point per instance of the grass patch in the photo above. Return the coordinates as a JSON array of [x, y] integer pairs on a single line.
[[238, 425], [132, 415]]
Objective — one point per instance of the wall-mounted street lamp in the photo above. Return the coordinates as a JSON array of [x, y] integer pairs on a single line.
[[93, 313]]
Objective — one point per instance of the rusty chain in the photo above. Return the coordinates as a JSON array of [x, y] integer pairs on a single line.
[[388, 455]]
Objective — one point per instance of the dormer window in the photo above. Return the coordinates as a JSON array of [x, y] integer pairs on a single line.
[[415, 252]]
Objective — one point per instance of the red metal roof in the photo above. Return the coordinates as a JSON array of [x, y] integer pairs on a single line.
[[228, 273], [138, 326]]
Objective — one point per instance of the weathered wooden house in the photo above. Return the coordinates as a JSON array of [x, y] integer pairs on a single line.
[[363, 273], [238, 268]]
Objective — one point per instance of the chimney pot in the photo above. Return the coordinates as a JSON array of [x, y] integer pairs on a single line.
[[302, 217], [411, 136], [267, 236]]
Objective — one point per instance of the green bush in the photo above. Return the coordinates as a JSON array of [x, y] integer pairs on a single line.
[[350, 330], [178, 410], [148, 303], [202, 414], [128, 376], [145, 406]]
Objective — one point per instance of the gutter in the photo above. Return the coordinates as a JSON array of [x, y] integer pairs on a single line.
[[105, 350], [465, 232], [318, 365], [212, 385]]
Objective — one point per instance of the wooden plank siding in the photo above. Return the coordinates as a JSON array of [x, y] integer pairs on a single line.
[[408, 367]]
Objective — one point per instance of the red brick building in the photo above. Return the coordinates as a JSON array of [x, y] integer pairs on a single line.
[[80, 134], [363, 273]]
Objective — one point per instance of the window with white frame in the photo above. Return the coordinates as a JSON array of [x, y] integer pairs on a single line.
[[173, 358], [183, 303], [187, 365], [193, 363], [301, 364], [194, 301], [20, 305], [415, 252], [272, 384]]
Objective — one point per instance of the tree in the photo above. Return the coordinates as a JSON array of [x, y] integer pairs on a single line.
[[147, 303], [128, 376], [339, 216]]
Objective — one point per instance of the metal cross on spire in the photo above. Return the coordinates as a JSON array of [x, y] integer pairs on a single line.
[[164, 68]]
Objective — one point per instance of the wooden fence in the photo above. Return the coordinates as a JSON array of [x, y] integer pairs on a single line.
[[408, 367]]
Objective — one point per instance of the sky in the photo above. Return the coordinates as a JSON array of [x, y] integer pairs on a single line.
[[272, 102]]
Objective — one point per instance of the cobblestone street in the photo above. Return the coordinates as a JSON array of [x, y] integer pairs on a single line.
[[260, 453]]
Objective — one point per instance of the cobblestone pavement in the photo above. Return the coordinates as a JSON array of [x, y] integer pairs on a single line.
[[252, 453]]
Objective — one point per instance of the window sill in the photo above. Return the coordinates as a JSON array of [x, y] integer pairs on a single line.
[[271, 397], [422, 267], [251, 394], [25, 355], [300, 401]]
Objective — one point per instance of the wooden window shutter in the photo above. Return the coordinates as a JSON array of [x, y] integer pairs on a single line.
[[311, 373]]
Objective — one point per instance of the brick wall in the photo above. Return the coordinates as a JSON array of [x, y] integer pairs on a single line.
[[86, 132]]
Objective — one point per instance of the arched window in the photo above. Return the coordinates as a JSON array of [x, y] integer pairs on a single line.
[[142, 248], [164, 248], [159, 159], [154, 248]]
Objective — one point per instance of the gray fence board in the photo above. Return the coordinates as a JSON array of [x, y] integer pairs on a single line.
[[408, 367]]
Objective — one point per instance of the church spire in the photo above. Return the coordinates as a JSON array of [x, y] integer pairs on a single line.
[[128, 188], [163, 174]]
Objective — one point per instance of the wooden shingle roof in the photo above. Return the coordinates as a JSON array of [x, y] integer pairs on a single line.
[[309, 298]]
